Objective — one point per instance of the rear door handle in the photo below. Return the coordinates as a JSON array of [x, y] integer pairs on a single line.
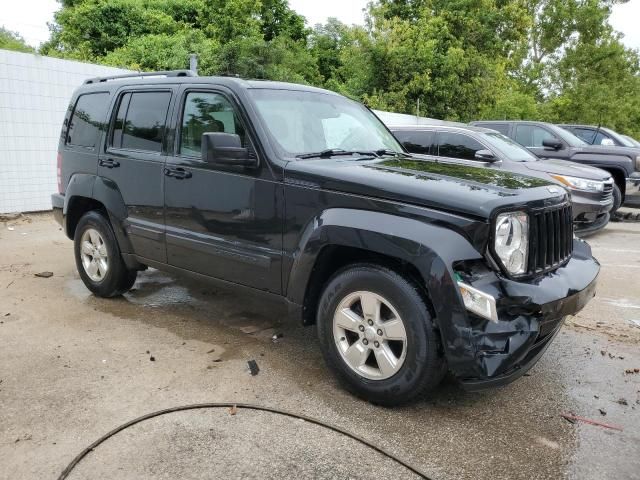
[[109, 163], [177, 173]]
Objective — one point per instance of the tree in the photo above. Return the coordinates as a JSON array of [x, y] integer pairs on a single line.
[[13, 41]]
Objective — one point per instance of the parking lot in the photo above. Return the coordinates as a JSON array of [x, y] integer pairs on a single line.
[[73, 367]]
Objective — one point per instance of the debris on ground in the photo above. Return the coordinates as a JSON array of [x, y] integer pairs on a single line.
[[602, 411], [44, 274], [152, 358], [622, 401], [253, 367], [233, 410], [632, 370], [571, 418], [212, 350], [634, 322], [276, 336]]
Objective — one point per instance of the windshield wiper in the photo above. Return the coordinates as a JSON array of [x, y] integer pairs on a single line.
[[387, 151], [332, 152]]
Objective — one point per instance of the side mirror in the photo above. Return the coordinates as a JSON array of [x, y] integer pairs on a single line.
[[225, 149], [552, 143], [485, 156]]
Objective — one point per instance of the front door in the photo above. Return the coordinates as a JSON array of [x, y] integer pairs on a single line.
[[134, 161], [221, 221]]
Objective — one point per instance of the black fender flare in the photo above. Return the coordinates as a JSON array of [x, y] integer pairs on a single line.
[[429, 247], [106, 192]]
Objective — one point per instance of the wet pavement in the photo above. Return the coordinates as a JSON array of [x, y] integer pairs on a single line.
[[73, 367]]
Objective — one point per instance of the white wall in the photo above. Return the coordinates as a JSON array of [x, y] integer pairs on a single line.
[[34, 96]]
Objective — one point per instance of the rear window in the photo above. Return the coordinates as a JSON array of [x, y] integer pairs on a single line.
[[88, 119], [140, 121]]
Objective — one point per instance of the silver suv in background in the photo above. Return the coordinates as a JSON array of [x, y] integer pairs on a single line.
[[591, 188]]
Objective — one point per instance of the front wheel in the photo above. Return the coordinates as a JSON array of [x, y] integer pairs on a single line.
[[98, 258], [617, 200], [377, 335]]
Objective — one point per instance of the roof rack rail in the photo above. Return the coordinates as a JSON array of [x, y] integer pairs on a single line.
[[166, 73]]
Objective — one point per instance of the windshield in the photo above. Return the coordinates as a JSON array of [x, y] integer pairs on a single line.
[[302, 122], [632, 141], [508, 148], [567, 136]]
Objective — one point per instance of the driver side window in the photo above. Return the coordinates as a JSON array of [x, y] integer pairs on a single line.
[[207, 112], [532, 136]]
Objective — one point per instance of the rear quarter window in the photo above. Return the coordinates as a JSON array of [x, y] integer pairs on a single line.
[[88, 119]]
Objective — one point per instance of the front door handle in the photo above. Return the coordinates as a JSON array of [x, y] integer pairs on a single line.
[[109, 163], [177, 173]]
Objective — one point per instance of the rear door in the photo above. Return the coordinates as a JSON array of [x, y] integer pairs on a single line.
[[133, 161], [222, 221]]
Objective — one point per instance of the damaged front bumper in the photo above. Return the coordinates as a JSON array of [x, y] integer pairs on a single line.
[[490, 353]]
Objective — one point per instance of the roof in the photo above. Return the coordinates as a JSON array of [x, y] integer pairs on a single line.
[[186, 76]]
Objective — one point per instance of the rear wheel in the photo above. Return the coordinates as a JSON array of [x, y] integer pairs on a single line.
[[98, 257], [377, 335]]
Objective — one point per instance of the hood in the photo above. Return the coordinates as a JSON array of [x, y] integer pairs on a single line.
[[572, 169], [462, 189]]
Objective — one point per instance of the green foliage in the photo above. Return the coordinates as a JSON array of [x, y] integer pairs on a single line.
[[13, 41], [557, 60]]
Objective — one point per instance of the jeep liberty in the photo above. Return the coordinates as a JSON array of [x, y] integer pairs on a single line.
[[409, 268]]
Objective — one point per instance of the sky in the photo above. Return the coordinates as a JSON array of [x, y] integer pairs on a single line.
[[30, 17]]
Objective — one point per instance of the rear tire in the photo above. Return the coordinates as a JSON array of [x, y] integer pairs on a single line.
[[362, 341], [98, 257]]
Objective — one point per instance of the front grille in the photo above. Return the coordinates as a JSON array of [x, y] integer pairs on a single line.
[[550, 238], [607, 193]]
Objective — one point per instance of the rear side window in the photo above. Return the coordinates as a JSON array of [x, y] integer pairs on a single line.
[[88, 119], [503, 128], [456, 145], [417, 142], [140, 121]]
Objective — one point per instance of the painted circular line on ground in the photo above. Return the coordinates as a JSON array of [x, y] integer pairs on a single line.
[[65, 473]]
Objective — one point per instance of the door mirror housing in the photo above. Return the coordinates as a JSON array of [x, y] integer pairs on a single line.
[[485, 156], [225, 149], [552, 144]]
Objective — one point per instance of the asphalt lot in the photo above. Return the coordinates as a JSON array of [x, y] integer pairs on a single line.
[[72, 367]]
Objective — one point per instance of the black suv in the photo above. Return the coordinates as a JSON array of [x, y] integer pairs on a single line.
[[550, 141], [591, 188], [407, 267]]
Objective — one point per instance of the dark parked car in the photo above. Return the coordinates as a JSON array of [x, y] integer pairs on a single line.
[[550, 141], [591, 188], [301, 196], [594, 135]]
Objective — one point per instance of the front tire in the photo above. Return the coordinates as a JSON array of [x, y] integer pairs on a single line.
[[617, 200], [98, 257], [377, 336]]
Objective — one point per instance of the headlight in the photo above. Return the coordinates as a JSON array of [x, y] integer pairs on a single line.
[[512, 241], [580, 183]]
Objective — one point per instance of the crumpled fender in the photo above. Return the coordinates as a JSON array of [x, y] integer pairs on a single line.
[[430, 247]]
